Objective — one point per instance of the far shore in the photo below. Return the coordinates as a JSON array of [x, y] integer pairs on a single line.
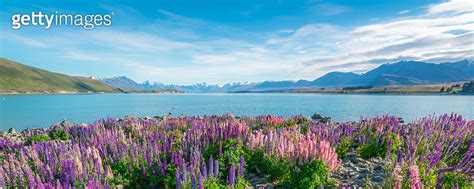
[[90, 92], [455, 88], [245, 92]]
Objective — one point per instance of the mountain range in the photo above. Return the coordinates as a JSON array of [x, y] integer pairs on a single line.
[[16, 77], [398, 73]]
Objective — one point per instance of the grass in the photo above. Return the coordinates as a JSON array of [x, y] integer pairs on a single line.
[[16, 77]]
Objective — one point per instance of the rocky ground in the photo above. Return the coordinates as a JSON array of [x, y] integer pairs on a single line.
[[355, 172], [358, 172], [258, 182]]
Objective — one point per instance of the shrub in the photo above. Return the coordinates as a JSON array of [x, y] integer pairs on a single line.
[[231, 152], [371, 150], [37, 138], [310, 175], [213, 183], [451, 179], [342, 148], [241, 184], [59, 134], [276, 169], [376, 148]]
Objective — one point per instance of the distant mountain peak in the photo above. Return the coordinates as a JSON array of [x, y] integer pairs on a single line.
[[122, 82], [469, 62], [120, 77], [335, 79]]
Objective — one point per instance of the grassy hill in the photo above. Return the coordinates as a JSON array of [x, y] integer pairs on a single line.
[[16, 77]]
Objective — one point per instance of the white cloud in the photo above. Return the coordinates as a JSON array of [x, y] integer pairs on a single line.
[[453, 6], [403, 11]]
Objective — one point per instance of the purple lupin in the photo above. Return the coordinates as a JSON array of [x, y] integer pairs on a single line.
[[178, 181], [203, 170], [201, 182], [183, 173], [232, 175], [241, 167], [211, 167], [193, 179], [216, 168]]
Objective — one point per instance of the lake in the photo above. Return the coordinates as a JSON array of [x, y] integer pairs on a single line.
[[32, 111]]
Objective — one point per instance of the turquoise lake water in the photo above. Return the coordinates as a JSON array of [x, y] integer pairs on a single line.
[[32, 111]]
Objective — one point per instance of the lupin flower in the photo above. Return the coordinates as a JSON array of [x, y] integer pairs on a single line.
[[398, 179], [3, 177], [193, 179], [201, 182], [231, 175], [415, 178], [216, 168], [178, 181], [211, 167], [241, 167], [183, 173], [58, 185], [38, 183], [203, 170], [143, 170]]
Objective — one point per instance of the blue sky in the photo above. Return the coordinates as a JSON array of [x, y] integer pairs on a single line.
[[217, 42]]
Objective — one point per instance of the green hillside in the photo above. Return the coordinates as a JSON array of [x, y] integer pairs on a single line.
[[16, 77]]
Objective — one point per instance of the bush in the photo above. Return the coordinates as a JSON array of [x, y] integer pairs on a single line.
[[213, 183], [310, 175], [451, 179], [131, 174], [231, 152], [241, 184], [342, 148], [371, 150], [374, 148], [37, 138], [59, 134], [267, 166]]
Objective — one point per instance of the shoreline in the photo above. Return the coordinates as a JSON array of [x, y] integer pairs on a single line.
[[453, 88], [83, 93], [262, 92]]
